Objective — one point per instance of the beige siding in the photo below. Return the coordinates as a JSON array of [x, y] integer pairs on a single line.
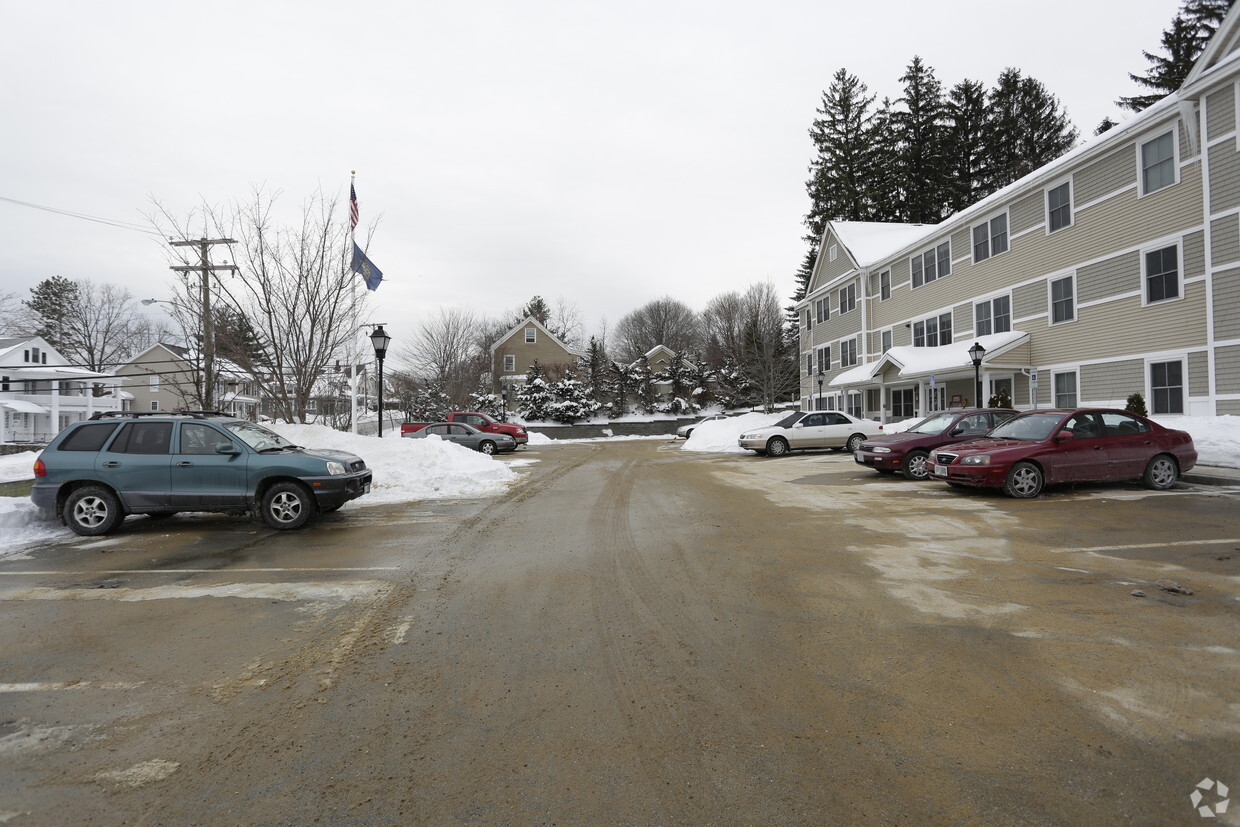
[[1221, 112], [1020, 390], [1227, 407], [1123, 328], [901, 335], [1224, 177], [1194, 254], [1227, 305], [1227, 369], [829, 270], [1106, 175], [1029, 300], [962, 318], [1027, 213], [962, 244], [1113, 380], [1199, 373], [1117, 223], [1225, 240], [548, 354], [1121, 274]]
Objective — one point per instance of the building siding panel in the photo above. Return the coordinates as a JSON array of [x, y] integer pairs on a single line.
[[1027, 213], [1112, 381], [1194, 254], [1225, 240], [1227, 369], [1112, 277], [1199, 373], [962, 243], [1224, 177], [962, 319], [1221, 112], [1227, 305], [1029, 300], [1106, 175], [1228, 407]]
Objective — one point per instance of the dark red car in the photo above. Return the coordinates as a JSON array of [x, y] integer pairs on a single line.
[[907, 451], [1085, 445]]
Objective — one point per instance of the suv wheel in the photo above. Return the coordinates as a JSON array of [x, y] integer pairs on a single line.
[[287, 505], [92, 511]]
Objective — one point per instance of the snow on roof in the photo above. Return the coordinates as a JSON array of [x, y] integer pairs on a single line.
[[869, 241], [922, 361]]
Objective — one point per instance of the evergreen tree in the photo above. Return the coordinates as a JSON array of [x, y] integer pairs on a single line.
[[965, 148], [1026, 128], [887, 186], [55, 302], [735, 389], [644, 392], [596, 366], [483, 401], [534, 397], [572, 402], [1182, 44], [537, 308], [1106, 125], [919, 158], [838, 175], [703, 379]]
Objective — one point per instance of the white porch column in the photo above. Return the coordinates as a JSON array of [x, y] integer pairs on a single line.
[[55, 424]]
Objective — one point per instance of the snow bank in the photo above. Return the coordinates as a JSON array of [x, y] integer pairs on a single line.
[[1217, 438], [721, 435], [22, 526], [15, 467]]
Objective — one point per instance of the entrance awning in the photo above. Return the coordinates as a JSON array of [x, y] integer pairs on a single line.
[[21, 405]]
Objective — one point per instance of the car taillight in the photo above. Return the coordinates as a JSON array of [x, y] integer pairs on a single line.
[[40, 470]]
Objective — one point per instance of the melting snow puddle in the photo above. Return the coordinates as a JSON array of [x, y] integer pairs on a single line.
[[344, 590]]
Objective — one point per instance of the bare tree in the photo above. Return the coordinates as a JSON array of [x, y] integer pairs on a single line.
[[100, 333], [567, 323], [443, 350], [749, 333], [665, 321], [295, 290], [11, 314]]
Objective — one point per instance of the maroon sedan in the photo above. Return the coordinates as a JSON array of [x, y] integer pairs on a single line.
[[907, 451], [1085, 445]]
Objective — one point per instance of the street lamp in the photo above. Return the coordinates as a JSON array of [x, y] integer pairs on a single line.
[[380, 340], [503, 395], [821, 378], [976, 353]]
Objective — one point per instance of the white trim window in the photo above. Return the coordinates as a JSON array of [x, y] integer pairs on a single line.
[[1062, 299], [154, 404], [992, 316], [990, 238], [833, 252], [1161, 274], [884, 285], [510, 363], [1059, 207], [1167, 387], [1158, 166], [848, 298], [531, 335], [903, 402], [809, 363], [824, 359], [931, 265], [848, 353], [933, 331], [854, 404], [154, 383], [822, 309], [1064, 386], [886, 340]]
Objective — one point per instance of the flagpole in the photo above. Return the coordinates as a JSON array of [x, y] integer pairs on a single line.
[[353, 302]]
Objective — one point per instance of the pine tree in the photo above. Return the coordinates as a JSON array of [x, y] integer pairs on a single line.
[[55, 301], [920, 132], [1182, 44], [838, 175], [964, 149], [644, 392], [537, 308], [887, 185], [572, 403], [534, 397], [1026, 128], [1106, 125], [703, 379]]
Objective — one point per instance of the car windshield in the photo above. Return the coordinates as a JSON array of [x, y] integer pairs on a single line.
[[1031, 427], [258, 437], [790, 420], [932, 425]]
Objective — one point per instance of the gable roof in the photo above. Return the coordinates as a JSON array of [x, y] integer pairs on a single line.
[[526, 322], [1219, 52], [869, 241]]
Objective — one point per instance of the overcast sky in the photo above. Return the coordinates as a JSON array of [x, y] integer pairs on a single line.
[[607, 153]]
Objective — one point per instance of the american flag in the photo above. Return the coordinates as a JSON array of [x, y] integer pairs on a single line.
[[352, 208]]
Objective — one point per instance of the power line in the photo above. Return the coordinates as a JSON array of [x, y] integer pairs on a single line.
[[123, 225]]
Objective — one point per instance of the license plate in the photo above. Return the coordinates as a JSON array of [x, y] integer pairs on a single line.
[[940, 470]]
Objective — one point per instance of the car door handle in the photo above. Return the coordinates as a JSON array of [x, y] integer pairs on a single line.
[[112, 464], [184, 464], [1097, 447]]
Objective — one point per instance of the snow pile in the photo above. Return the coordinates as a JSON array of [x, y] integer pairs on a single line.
[[18, 466], [722, 434], [1216, 438], [22, 525], [410, 469]]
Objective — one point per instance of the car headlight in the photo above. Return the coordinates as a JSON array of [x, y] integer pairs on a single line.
[[335, 468], [976, 459], [878, 449], [751, 436]]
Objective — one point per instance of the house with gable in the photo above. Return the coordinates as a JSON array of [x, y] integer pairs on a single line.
[[515, 352], [41, 393], [165, 377], [1113, 270]]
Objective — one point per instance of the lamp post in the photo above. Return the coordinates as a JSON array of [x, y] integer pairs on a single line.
[[821, 378], [503, 396], [976, 353], [380, 340]]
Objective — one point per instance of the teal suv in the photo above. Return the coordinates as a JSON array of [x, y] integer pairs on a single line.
[[96, 472]]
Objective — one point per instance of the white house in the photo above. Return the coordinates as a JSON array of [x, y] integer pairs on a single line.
[[41, 393]]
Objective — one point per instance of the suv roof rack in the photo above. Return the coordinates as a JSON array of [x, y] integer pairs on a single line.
[[136, 414]]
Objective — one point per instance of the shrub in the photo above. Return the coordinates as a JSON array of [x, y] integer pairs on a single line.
[[1001, 399], [1136, 404]]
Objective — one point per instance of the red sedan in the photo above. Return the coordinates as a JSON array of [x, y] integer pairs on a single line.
[[1085, 445]]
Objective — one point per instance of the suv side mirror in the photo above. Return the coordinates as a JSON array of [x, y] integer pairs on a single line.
[[226, 448]]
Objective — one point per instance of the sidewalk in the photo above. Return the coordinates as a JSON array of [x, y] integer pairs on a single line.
[[1213, 475]]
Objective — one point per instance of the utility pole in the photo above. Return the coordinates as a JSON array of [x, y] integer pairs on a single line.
[[205, 268]]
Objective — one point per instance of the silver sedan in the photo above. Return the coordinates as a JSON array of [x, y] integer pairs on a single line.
[[468, 436]]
